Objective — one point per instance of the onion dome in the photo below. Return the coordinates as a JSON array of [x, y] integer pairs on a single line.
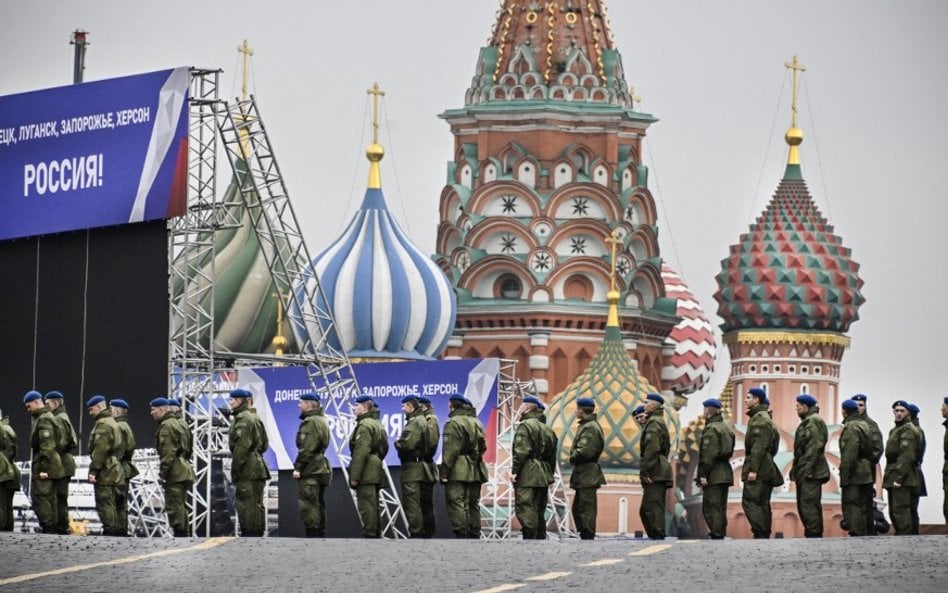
[[790, 271], [388, 299], [692, 363], [613, 381]]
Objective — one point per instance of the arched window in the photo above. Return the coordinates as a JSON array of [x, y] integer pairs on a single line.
[[508, 286]]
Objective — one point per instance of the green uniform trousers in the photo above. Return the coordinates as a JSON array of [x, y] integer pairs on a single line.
[[43, 499], [312, 497], [414, 512], [61, 487], [121, 506], [105, 497], [463, 505], [944, 505], [858, 515], [756, 504], [367, 503], [714, 509], [177, 509], [427, 508], [7, 489], [900, 510], [530, 507], [652, 510], [250, 511], [810, 507], [585, 511]]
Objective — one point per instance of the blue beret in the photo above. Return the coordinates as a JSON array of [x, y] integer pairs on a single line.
[[95, 400], [364, 398], [309, 396], [850, 404], [32, 396], [456, 397], [655, 398], [585, 402], [758, 393], [239, 393], [712, 403], [901, 403], [53, 395], [173, 401], [638, 410], [946, 399], [859, 398], [158, 402], [468, 402], [119, 403], [532, 400], [409, 398], [423, 399], [913, 409], [806, 399]]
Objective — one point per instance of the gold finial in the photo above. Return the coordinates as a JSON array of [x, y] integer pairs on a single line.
[[794, 135], [375, 152], [244, 48], [279, 341], [633, 97], [612, 297]]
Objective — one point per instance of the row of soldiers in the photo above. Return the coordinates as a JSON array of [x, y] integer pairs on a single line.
[[861, 449]]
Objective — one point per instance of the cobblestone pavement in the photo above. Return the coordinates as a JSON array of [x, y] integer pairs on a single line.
[[61, 563]]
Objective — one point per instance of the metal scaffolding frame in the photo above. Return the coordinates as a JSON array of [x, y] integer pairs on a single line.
[[199, 374]]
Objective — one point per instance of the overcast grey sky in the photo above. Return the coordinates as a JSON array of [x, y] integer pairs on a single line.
[[872, 109]]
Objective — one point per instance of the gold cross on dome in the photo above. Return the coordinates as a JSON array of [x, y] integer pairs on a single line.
[[244, 48], [797, 68], [376, 93], [614, 240]]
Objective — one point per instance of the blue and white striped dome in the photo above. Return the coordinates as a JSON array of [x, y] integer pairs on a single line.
[[389, 300]]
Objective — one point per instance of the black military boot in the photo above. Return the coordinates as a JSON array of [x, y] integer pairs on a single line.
[[313, 532]]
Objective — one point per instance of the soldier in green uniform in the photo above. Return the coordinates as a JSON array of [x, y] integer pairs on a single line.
[[9, 473], [878, 447], [68, 445], [944, 469], [368, 447], [46, 466], [175, 472], [922, 489], [534, 460], [460, 472], [810, 470], [587, 476], [655, 472], [413, 448], [311, 467], [760, 474], [855, 471], [119, 408], [427, 488], [247, 441], [714, 473], [105, 469], [901, 478]]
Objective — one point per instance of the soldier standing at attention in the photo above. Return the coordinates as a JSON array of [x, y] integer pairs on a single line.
[[175, 472], [368, 447], [247, 441], [900, 478], [311, 467], [855, 471], [655, 472], [105, 469], [587, 476], [119, 408], [810, 470], [534, 457], [427, 488], [46, 466], [68, 444], [9, 473], [714, 468], [460, 471], [878, 443], [922, 489], [412, 449], [760, 474]]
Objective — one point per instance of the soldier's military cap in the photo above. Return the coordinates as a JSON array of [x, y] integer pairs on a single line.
[[946, 399], [237, 393], [640, 409], [712, 403], [900, 403], [859, 398], [468, 403], [309, 396], [424, 399], [364, 398], [173, 401], [655, 398], [585, 402], [850, 404], [118, 403], [913, 409], [456, 397], [158, 402], [806, 399], [53, 395], [409, 398], [95, 400], [32, 396], [532, 400]]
